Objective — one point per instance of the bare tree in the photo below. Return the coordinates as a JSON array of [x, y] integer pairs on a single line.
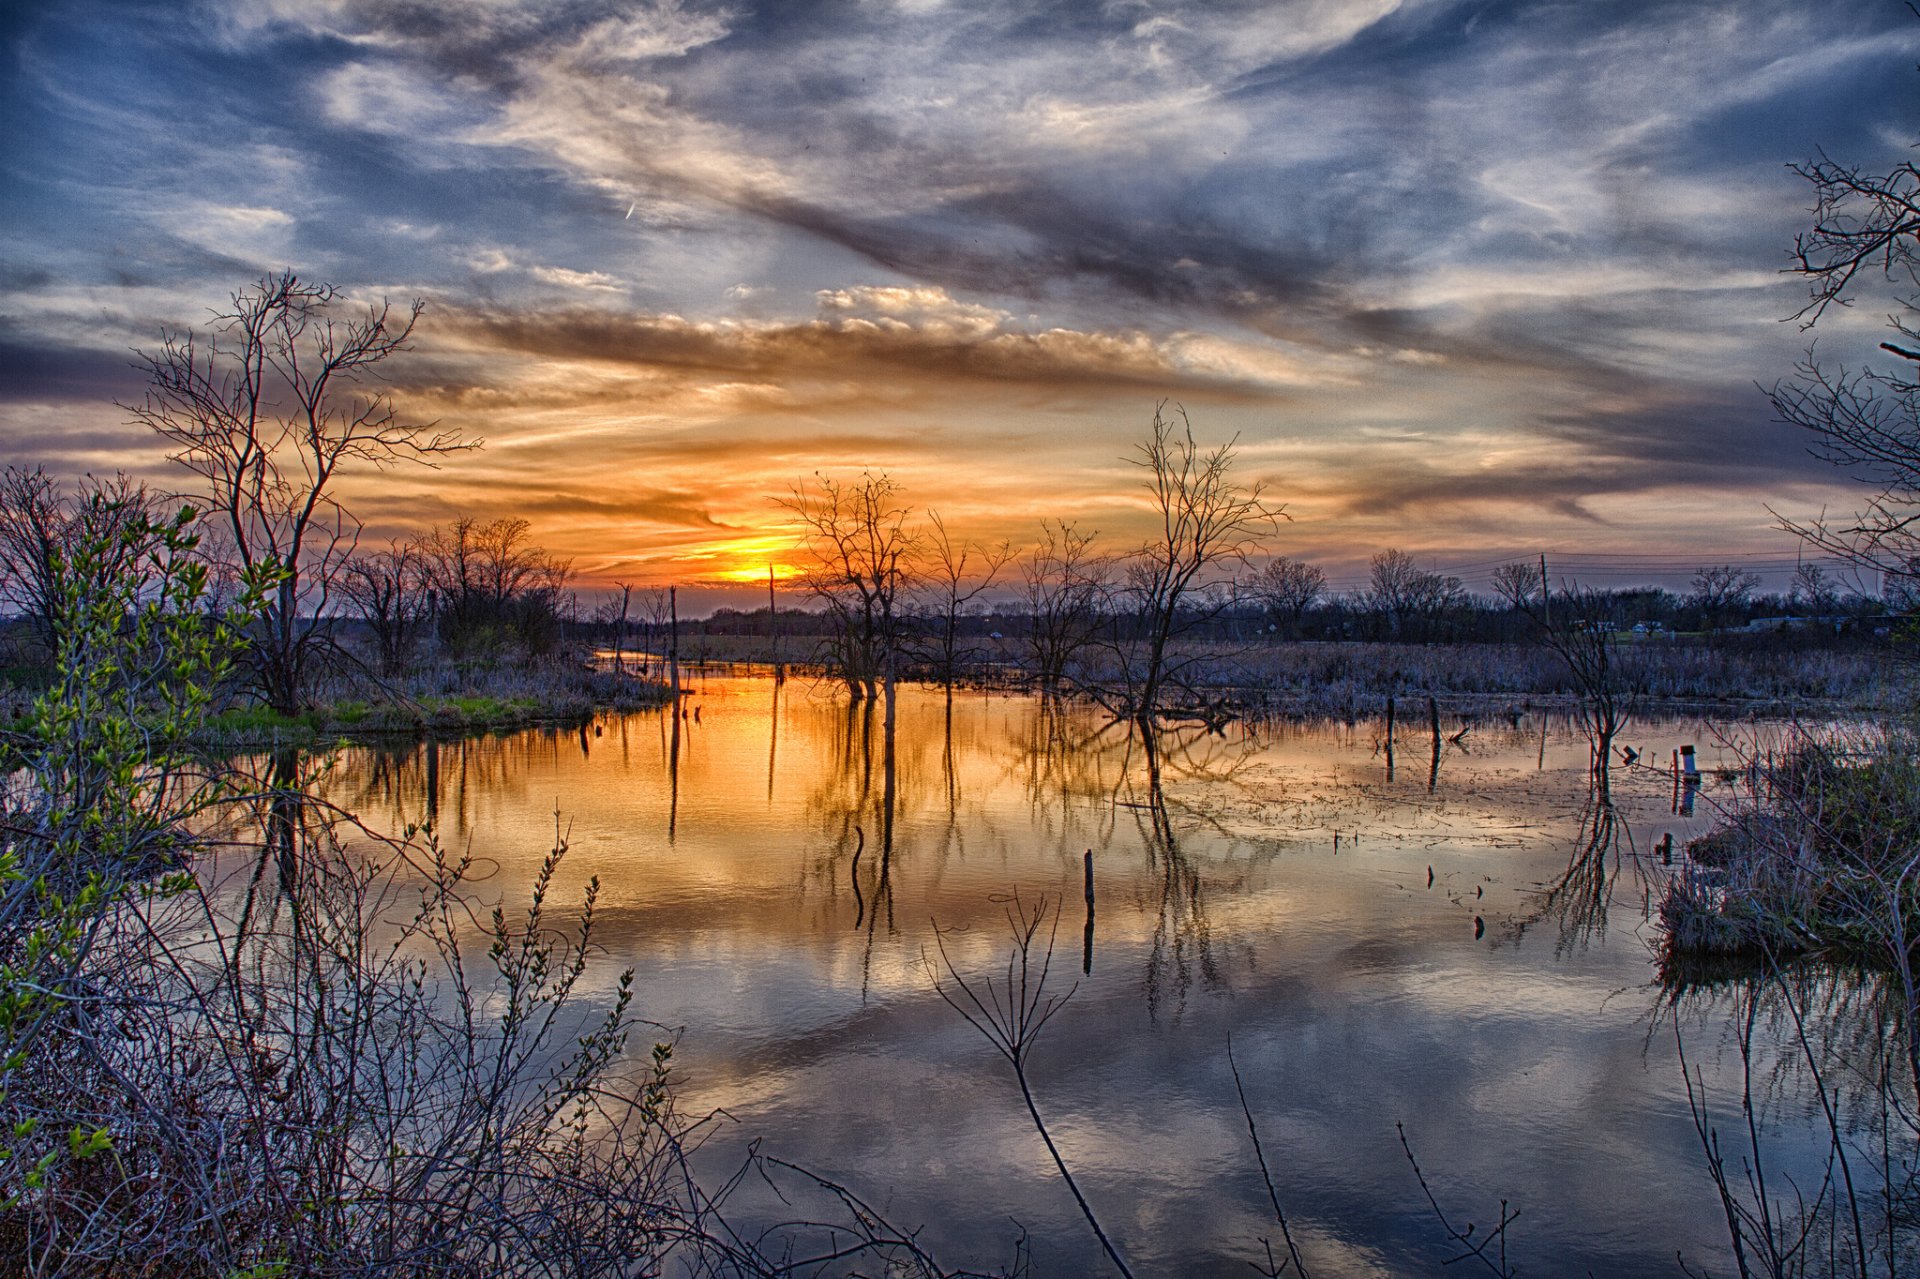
[[1400, 591], [496, 590], [389, 591], [1517, 583], [952, 577], [41, 528], [1574, 624], [656, 615], [1287, 588], [1814, 590], [613, 614], [1866, 421], [1719, 590], [268, 412], [1064, 582], [1208, 523], [863, 561]]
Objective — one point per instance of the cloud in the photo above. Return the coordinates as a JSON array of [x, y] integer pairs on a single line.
[[864, 331], [591, 281]]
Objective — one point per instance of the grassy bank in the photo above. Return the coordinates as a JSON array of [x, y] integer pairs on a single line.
[[1821, 856], [440, 702]]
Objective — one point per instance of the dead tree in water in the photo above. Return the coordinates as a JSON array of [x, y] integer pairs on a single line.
[[863, 565], [954, 577], [1581, 635], [1064, 581], [1207, 522]]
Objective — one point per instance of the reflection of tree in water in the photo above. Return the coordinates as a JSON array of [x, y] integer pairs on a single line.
[[1069, 760], [439, 782], [1182, 931], [1577, 901], [1800, 1051], [848, 799], [287, 819]]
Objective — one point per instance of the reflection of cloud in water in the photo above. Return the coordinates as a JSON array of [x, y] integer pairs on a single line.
[[1354, 990]]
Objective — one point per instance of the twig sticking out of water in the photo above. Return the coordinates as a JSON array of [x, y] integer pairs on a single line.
[[1477, 1249], [1011, 1016], [1293, 1261]]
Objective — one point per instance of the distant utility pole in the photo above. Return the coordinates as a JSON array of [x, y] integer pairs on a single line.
[[1546, 594]]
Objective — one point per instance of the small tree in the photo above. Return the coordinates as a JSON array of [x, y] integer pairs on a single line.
[[1287, 588], [1721, 590], [389, 592], [1574, 624], [862, 554], [1065, 584], [952, 578], [1207, 522], [267, 412], [43, 530]]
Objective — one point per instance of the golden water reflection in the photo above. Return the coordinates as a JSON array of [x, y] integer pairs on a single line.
[[1444, 944]]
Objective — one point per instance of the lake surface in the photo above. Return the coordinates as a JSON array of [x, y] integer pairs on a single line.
[[1274, 890]]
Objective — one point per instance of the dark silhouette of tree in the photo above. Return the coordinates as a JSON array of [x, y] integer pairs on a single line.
[[389, 592], [862, 554], [952, 577], [1865, 421], [1721, 590], [494, 590], [268, 410], [1575, 625], [1814, 591], [1064, 582], [1517, 583], [1287, 588], [1208, 523], [1399, 590], [43, 527]]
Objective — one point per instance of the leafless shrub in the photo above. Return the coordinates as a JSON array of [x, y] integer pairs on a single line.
[[1011, 1014]]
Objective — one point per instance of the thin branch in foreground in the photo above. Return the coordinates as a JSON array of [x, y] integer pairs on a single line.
[[1470, 1247], [1011, 1017], [1293, 1260]]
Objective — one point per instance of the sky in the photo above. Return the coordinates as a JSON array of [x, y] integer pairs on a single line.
[[1474, 279]]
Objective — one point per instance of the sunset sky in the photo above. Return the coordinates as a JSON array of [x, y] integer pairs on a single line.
[[1475, 279]]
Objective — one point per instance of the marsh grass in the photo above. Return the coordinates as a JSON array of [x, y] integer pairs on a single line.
[[1820, 851]]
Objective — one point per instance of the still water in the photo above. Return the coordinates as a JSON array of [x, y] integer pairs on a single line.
[[1462, 946]]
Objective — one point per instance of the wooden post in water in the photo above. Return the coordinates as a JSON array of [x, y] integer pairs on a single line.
[[773, 627], [889, 694], [1433, 717], [1086, 953], [1389, 737], [673, 645]]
